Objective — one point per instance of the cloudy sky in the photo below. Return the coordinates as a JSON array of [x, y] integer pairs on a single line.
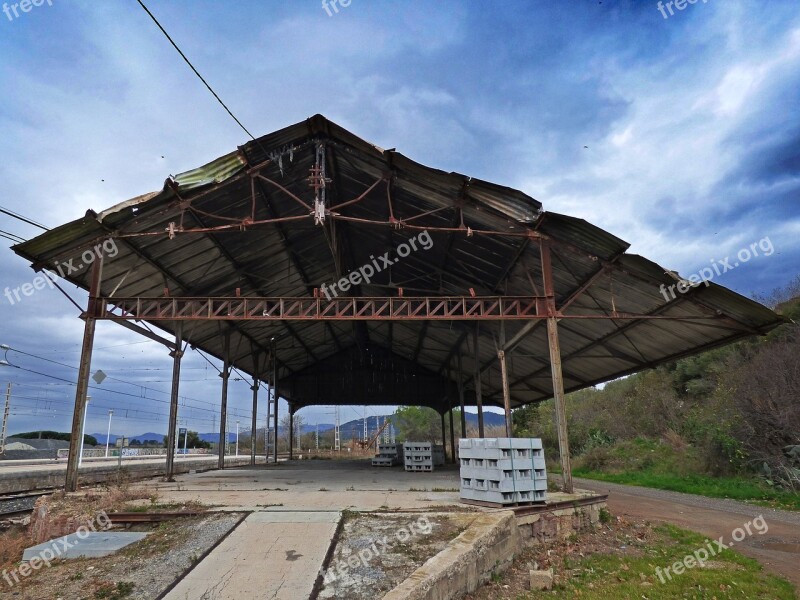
[[680, 135]]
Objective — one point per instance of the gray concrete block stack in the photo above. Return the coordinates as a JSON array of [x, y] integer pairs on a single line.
[[502, 471], [389, 455], [422, 456]]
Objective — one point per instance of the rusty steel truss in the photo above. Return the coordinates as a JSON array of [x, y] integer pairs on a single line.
[[384, 308]]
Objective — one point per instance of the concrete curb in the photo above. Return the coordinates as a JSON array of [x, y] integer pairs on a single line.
[[487, 546]]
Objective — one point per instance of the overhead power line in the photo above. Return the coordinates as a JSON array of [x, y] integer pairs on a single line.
[[196, 72], [18, 216]]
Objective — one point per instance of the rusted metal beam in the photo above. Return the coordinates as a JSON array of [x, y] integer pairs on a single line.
[[320, 309], [93, 308], [555, 368], [501, 355], [285, 239], [253, 416], [478, 383], [452, 437], [375, 308], [291, 432], [176, 355], [223, 413], [275, 401], [461, 398]]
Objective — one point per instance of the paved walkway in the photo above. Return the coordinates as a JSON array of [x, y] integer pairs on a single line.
[[270, 555]]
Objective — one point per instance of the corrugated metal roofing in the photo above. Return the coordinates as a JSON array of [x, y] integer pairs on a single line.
[[399, 362]]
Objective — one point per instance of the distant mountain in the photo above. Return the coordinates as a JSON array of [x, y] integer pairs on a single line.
[[213, 438], [490, 419], [101, 438], [159, 437], [144, 437], [347, 430]]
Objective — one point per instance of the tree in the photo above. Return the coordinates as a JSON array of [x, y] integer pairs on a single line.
[[193, 441], [299, 421], [418, 423]]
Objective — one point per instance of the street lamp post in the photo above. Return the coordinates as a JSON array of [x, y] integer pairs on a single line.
[[108, 434], [83, 429]]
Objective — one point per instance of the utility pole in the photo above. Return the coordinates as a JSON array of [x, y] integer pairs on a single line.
[[108, 434], [317, 437], [237, 437], [5, 419], [337, 440]]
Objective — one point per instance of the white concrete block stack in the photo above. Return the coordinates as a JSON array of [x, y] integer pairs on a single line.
[[422, 456], [502, 471], [388, 455]]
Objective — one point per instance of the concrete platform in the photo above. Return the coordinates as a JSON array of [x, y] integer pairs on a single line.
[[317, 485], [274, 555], [278, 551]]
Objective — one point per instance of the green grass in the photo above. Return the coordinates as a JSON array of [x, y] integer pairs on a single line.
[[736, 488], [727, 575], [653, 464]]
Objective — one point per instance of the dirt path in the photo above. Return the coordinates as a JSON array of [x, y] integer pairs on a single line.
[[778, 549]]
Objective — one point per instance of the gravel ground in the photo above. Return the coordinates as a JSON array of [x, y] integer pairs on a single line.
[[377, 551], [721, 504], [146, 568]]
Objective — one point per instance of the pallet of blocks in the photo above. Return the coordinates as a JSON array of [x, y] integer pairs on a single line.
[[388, 455], [502, 471], [422, 456]]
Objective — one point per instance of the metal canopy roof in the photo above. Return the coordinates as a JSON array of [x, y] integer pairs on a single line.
[[241, 225]]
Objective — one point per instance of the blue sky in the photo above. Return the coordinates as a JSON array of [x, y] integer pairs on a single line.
[[679, 135]]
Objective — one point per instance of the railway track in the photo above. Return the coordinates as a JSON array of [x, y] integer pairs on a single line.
[[15, 505]]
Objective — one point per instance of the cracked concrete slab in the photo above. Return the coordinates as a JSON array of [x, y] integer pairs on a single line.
[[274, 555]]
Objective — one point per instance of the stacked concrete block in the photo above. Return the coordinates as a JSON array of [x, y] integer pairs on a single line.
[[502, 471], [388, 455], [422, 456]]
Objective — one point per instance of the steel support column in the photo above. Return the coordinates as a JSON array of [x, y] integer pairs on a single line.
[[452, 437], [478, 384], [461, 397], [275, 397], [267, 423], [506, 393], [176, 355], [223, 413], [253, 420], [555, 368], [444, 435], [291, 433], [92, 309]]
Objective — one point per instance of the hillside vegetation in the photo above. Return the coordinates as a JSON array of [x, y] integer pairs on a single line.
[[723, 423]]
